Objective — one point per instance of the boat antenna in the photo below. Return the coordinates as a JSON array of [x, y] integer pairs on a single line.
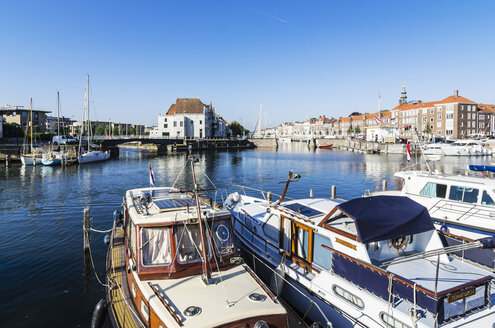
[[297, 176], [206, 268]]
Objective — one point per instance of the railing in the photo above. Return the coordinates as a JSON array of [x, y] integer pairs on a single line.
[[263, 193], [463, 210]]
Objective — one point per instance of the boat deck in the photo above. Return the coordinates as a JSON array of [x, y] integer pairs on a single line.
[[120, 305]]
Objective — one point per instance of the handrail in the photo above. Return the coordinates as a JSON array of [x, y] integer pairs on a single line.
[[167, 306], [263, 192]]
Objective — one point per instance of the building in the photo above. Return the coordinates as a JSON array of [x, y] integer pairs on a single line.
[[21, 116], [486, 120], [52, 123], [190, 118]]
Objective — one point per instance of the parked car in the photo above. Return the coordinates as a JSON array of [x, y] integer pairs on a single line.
[[63, 140]]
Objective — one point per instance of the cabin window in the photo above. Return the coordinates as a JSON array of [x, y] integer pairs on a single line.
[[302, 239], [390, 321], [133, 239], [433, 189], [271, 228], [486, 199], [321, 256], [145, 311], [189, 243], [222, 237], [155, 249], [463, 194], [349, 297]]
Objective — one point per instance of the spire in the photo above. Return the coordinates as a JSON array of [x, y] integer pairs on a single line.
[[403, 95]]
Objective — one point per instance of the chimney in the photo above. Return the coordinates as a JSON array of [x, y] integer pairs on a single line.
[[456, 93], [420, 101]]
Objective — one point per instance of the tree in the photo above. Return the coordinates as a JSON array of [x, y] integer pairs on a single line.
[[357, 130], [11, 130], [349, 130], [355, 114], [427, 130], [100, 130], [237, 129]]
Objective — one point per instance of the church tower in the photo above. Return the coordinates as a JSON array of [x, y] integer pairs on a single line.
[[403, 95]]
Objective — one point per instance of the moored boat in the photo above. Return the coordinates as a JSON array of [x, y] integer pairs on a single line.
[[326, 146], [368, 262], [174, 263]]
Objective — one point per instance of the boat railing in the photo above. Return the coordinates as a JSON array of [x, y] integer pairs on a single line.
[[387, 286], [263, 193], [461, 210]]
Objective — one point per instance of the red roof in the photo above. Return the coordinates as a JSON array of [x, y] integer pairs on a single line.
[[188, 105]]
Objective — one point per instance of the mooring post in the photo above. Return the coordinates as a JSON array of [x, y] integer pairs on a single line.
[[384, 185], [86, 228], [269, 196], [310, 193], [334, 192]]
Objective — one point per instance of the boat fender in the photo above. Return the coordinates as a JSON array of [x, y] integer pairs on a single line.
[[118, 216], [444, 228], [106, 239], [99, 314], [488, 242]]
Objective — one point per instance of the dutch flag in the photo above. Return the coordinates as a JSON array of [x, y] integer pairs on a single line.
[[152, 176], [408, 152], [377, 120]]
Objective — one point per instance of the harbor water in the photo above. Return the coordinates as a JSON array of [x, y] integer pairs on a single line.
[[43, 277]]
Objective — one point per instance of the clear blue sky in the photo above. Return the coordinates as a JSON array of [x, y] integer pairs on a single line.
[[298, 58]]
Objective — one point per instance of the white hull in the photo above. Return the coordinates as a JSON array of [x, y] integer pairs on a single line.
[[93, 156], [30, 160]]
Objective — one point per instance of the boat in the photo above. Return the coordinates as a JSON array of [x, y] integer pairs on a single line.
[[326, 146], [172, 263], [90, 154], [463, 204], [433, 149], [367, 262], [139, 146], [33, 157], [285, 139], [466, 148]]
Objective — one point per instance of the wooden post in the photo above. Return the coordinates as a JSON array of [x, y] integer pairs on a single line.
[[86, 228], [310, 193], [334, 192], [384, 185]]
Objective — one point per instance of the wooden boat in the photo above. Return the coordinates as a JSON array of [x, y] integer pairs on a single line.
[[326, 146], [157, 274], [368, 262]]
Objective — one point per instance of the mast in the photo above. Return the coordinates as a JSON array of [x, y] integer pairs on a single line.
[[31, 123], [58, 116], [87, 109], [206, 268]]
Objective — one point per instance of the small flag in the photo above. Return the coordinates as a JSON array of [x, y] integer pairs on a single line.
[[377, 120], [408, 152], [152, 176]]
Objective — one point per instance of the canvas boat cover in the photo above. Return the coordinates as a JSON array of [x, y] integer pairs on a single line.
[[387, 217]]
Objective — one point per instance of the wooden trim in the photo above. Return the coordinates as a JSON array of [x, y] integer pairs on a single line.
[[166, 305], [456, 236], [341, 232], [260, 283], [345, 243]]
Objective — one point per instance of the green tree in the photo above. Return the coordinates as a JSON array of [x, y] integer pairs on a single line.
[[427, 130], [357, 130], [349, 130], [132, 130], [237, 129], [100, 130]]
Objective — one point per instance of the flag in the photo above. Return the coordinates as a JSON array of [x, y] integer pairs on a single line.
[[377, 120], [408, 152], [152, 176]]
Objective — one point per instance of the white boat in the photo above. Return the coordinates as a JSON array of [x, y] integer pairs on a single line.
[[433, 149], [466, 148], [89, 155], [462, 204], [34, 155], [32, 159], [349, 262], [173, 264]]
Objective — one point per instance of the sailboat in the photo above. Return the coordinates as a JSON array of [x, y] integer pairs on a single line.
[[88, 155], [55, 157], [34, 156]]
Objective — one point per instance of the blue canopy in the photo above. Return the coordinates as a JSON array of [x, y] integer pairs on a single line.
[[482, 168], [387, 217]]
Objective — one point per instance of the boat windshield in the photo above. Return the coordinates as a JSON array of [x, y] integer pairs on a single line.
[[222, 237], [189, 243], [155, 246]]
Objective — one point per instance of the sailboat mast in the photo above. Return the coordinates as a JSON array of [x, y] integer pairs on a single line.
[[87, 109], [31, 123], [206, 268], [58, 116]]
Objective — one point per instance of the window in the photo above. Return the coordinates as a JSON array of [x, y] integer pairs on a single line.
[[486, 199], [222, 237], [439, 124], [165, 119], [145, 311], [133, 240], [432, 111], [165, 126], [155, 246], [349, 297], [175, 124], [449, 115], [391, 322], [301, 241], [464, 305], [468, 116], [462, 115], [189, 243], [181, 123], [271, 228], [433, 189], [431, 119], [463, 194], [321, 256], [439, 132], [200, 122], [439, 109], [439, 116], [425, 119], [165, 134]]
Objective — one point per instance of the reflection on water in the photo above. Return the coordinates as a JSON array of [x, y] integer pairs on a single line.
[[42, 271]]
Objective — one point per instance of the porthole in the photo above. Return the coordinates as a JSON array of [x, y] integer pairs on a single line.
[[390, 321], [222, 233], [349, 297], [145, 311]]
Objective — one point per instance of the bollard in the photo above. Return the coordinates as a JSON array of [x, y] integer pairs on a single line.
[[310, 193], [384, 185], [334, 192], [86, 227]]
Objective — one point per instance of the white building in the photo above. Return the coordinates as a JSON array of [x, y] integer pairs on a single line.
[[190, 118]]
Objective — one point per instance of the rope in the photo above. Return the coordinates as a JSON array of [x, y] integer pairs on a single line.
[[92, 263], [100, 231], [390, 296]]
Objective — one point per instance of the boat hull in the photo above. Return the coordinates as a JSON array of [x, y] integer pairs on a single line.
[[94, 156], [30, 160]]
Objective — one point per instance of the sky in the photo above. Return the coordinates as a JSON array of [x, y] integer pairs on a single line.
[[298, 59]]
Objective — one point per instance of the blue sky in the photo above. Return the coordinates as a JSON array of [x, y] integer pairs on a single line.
[[299, 59]]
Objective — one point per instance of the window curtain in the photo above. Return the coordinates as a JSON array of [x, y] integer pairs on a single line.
[[156, 249]]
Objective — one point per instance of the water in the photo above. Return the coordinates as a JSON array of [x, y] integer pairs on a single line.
[[42, 275]]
